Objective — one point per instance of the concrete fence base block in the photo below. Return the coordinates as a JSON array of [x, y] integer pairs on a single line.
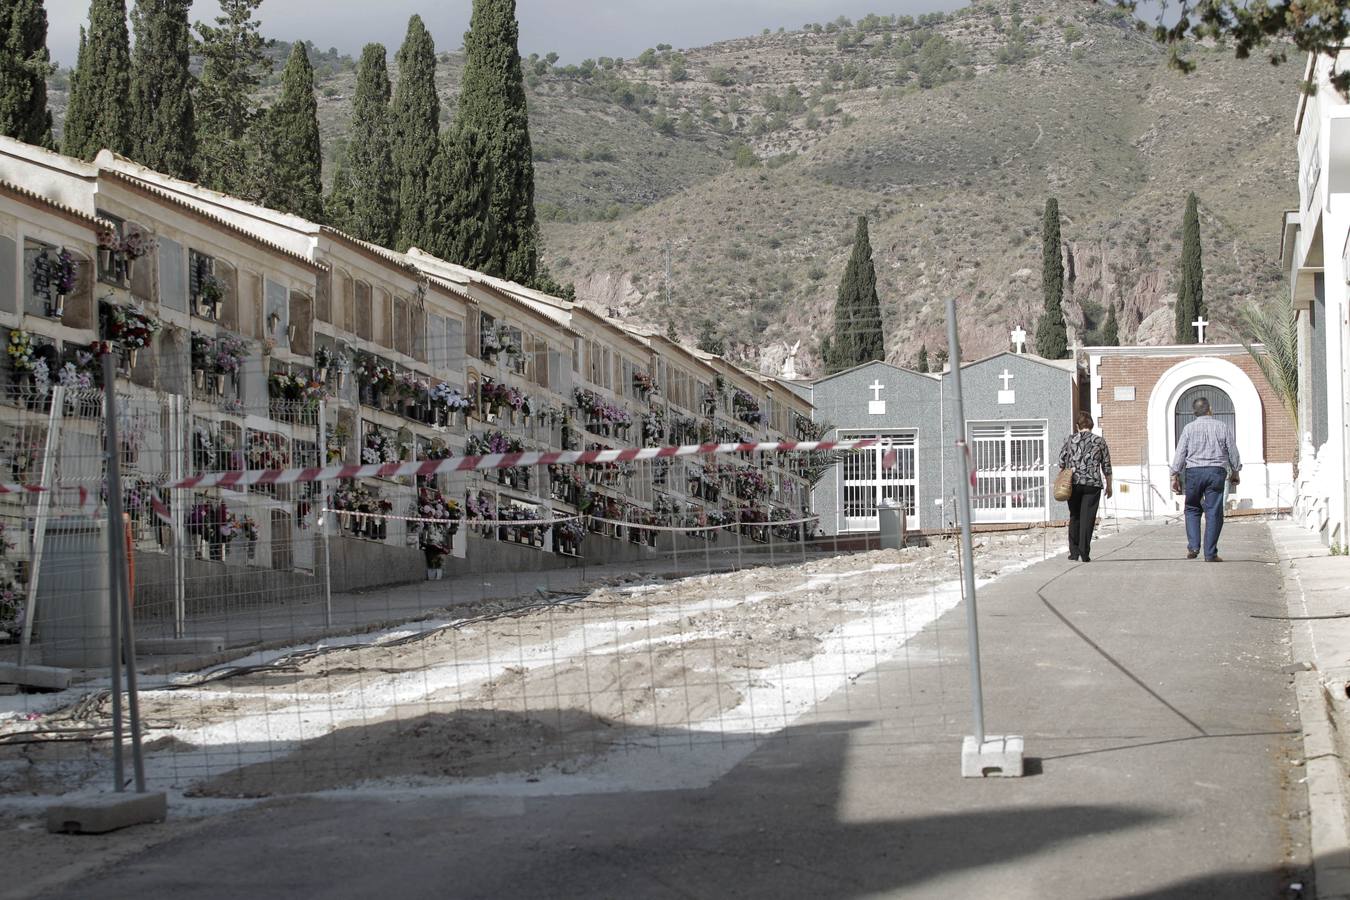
[[193, 646], [47, 678], [100, 813], [999, 756]]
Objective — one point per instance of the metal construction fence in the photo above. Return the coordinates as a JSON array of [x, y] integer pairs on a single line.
[[545, 621]]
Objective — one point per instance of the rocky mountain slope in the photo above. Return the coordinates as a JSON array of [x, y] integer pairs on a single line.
[[954, 177], [746, 162]]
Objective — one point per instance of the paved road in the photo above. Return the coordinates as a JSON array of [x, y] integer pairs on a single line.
[[1164, 738]]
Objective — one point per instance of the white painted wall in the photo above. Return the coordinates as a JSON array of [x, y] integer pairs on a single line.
[[1323, 142]]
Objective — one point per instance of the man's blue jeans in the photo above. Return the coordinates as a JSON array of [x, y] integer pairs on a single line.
[[1204, 493]]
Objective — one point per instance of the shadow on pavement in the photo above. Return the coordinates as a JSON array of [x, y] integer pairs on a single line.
[[778, 824]]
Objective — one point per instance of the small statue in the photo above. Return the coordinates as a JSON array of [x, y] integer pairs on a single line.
[[790, 364]]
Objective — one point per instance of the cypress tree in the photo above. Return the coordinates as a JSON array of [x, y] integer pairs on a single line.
[[232, 67], [164, 133], [923, 358], [370, 165], [24, 67], [858, 334], [337, 206], [709, 341], [1052, 336], [290, 164], [414, 122], [1191, 294], [1111, 331], [460, 226], [99, 111], [492, 103]]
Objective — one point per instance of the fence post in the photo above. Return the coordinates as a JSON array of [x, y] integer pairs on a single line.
[[44, 502], [119, 588], [981, 754], [114, 575], [323, 518], [179, 443]]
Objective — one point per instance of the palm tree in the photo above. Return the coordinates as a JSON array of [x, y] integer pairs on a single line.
[[1276, 328]]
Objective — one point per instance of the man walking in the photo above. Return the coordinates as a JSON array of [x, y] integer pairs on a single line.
[[1206, 455]]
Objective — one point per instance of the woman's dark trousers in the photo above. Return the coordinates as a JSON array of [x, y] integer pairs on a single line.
[[1082, 519]]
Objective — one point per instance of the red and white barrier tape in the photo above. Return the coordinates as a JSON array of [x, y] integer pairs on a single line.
[[479, 463]]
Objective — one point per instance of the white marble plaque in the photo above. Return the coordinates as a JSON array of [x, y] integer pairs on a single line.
[[1124, 392], [876, 407], [1007, 398]]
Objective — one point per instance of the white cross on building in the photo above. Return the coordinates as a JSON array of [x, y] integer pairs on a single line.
[[876, 406], [1019, 340], [1007, 396], [1199, 326]]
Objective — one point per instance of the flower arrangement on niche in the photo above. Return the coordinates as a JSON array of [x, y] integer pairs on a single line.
[[54, 276], [79, 374], [597, 410], [284, 386], [131, 329], [493, 442], [378, 448], [645, 384]]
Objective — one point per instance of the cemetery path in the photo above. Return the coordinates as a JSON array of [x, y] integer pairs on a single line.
[[1162, 737]]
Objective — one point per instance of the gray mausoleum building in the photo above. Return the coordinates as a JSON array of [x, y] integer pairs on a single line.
[[1019, 409]]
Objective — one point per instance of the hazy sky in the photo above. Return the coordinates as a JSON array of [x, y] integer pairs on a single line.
[[576, 29]]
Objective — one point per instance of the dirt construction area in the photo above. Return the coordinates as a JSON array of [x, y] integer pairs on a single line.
[[521, 692]]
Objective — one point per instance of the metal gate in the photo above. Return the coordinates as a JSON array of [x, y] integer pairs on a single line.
[[1220, 405], [865, 480], [1011, 462]]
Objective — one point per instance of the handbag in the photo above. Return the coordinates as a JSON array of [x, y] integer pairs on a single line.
[[1064, 484]]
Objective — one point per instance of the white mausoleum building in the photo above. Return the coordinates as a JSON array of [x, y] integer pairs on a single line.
[[1316, 259]]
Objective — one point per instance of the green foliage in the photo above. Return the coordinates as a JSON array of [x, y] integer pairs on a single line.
[[24, 68], [1015, 49], [858, 336], [370, 166], [1052, 338], [233, 64], [1111, 331], [1276, 329], [337, 206], [460, 222], [98, 115], [744, 156], [1320, 29], [164, 130], [492, 104], [290, 159], [1191, 291], [414, 126], [709, 341], [546, 283], [922, 364]]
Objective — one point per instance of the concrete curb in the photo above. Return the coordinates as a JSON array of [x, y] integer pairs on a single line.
[[1330, 834], [1324, 766]]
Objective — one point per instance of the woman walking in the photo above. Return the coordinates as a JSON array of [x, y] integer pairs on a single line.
[[1089, 459]]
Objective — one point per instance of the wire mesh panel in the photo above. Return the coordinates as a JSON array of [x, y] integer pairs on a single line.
[[596, 620]]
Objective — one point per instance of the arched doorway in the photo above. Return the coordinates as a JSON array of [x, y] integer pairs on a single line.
[[1220, 404]]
